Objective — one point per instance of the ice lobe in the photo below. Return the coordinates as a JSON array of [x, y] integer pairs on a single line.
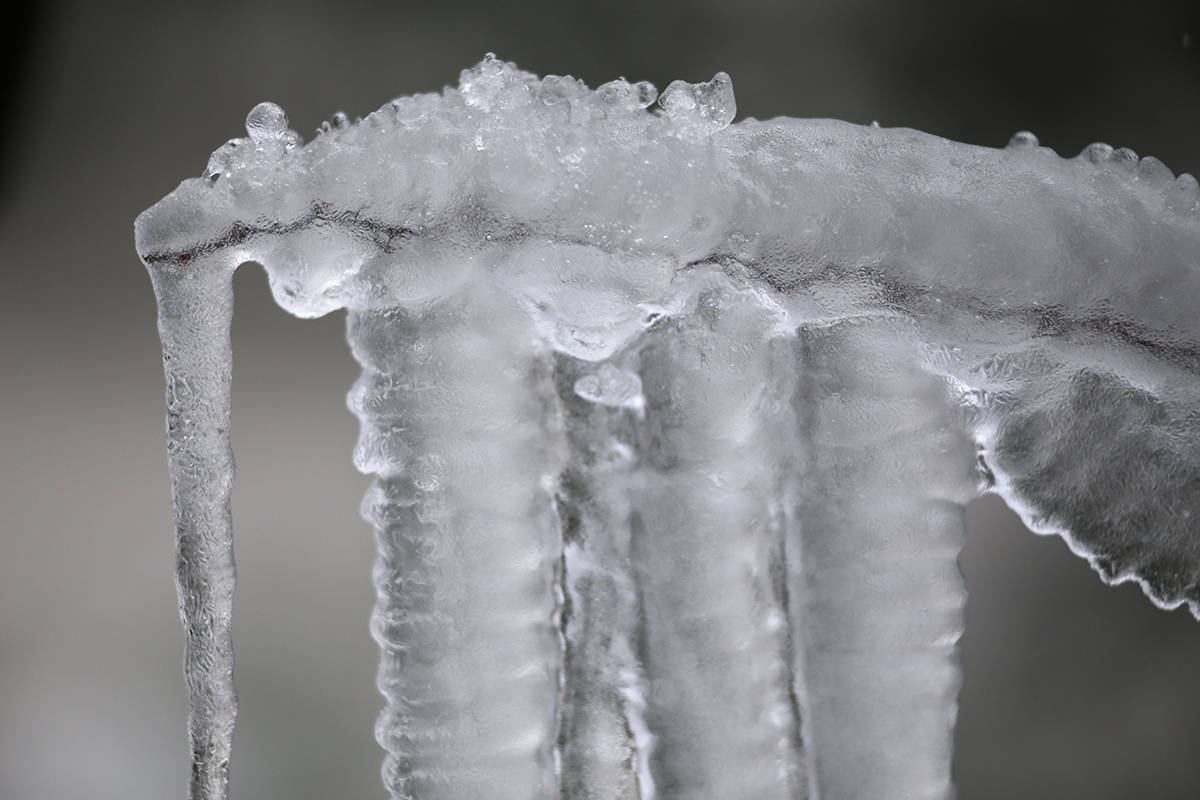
[[674, 420]]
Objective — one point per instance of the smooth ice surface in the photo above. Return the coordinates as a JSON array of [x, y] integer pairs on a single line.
[[674, 420]]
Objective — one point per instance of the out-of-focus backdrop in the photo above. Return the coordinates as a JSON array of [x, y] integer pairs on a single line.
[[1072, 689]]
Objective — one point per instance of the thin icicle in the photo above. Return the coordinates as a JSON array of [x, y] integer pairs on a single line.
[[195, 308]]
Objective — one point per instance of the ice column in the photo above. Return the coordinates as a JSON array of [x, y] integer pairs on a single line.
[[877, 589], [714, 496], [452, 401]]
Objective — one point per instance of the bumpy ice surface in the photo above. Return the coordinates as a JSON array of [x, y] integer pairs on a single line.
[[674, 420]]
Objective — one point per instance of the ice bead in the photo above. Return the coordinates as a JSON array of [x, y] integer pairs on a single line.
[[266, 120]]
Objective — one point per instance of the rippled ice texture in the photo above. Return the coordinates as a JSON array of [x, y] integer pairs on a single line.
[[674, 420]]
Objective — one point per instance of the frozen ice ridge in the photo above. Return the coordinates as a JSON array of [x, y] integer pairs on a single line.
[[674, 420]]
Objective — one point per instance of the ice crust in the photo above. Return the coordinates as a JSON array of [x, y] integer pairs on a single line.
[[674, 420]]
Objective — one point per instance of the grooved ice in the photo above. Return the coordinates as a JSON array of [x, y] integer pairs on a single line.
[[674, 420]]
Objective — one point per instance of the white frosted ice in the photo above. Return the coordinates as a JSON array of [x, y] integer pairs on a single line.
[[674, 420]]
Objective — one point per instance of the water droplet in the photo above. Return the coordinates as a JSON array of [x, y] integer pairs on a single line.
[[1184, 194], [1023, 139], [340, 120], [1155, 172], [647, 93], [1125, 157], [1098, 153], [266, 121]]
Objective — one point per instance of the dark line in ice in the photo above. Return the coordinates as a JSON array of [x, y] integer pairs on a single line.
[[380, 234], [1052, 321]]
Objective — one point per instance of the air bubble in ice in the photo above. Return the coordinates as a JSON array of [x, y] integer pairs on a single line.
[[610, 386]]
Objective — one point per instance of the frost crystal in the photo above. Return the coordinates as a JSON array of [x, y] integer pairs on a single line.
[[674, 420]]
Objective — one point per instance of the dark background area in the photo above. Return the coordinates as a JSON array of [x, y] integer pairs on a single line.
[[1072, 689]]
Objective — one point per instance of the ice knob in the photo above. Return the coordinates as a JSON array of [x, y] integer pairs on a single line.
[[700, 109]]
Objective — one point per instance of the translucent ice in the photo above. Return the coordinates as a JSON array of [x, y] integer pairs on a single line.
[[674, 420]]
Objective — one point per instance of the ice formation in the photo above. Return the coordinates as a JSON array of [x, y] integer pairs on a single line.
[[674, 420]]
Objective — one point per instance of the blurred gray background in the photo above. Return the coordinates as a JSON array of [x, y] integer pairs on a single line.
[[1072, 689]]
